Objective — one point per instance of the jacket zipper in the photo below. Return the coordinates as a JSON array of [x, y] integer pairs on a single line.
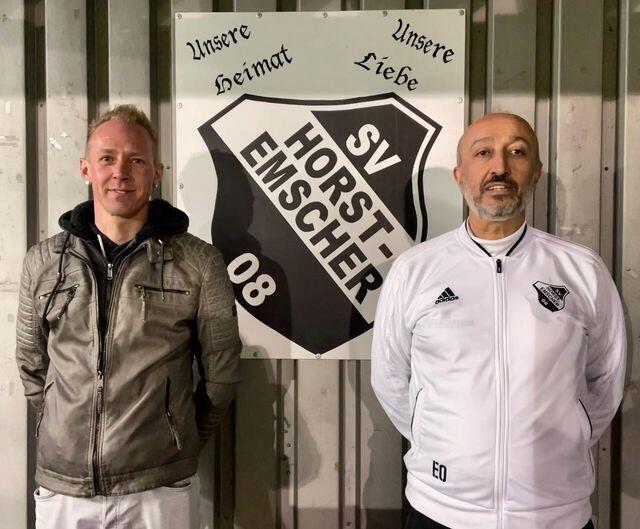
[[71, 292], [59, 291], [95, 458], [502, 379], [146, 288], [142, 288], [502, 393], [70, 295], [99, 378]]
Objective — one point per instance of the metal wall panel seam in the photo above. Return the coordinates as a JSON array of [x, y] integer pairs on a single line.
[[318, 443], [350, 401], [37, 180], [285, 512], [318, 5], [553, 122], [381, 468], [608, 134], [370, 5], [629, 171], [511, 30], [129, 59], [512, 66], [223, 6], [544, 37], [579, 121], [66, 89], [477, 64], [227, 470], [602, 495], [258, 445], [159, 15], [13, 239], [488, 80], [578, 113], [97, 58], [263, 6]]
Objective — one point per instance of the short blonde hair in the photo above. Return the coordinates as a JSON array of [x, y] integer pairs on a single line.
[[127, 114]]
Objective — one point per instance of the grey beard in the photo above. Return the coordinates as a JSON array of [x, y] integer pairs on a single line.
[[498, 212]]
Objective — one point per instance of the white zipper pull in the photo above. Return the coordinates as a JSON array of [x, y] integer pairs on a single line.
[[109, 271]]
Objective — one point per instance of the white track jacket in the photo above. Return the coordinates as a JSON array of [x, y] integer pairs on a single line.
[[501, 372]]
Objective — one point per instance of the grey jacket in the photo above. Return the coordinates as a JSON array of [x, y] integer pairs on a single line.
[[118, 413]]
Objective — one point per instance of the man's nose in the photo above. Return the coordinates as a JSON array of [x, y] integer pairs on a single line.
[[121, 169], [500, 164]]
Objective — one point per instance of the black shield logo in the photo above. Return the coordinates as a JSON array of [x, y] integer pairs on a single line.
[[551, 297], [314, 200]]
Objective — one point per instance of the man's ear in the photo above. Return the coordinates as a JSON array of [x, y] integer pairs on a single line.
[[158, 171], [538, 173], [457, 176], [84, 169]]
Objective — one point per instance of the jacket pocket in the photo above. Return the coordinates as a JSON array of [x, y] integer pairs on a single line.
[[587, 431], [181, 486], [415, 421], [41, 413], [146, 291], [69, 292], [175, 437], [42, 494]]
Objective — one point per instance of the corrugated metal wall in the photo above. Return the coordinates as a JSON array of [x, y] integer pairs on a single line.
[[308, 446]]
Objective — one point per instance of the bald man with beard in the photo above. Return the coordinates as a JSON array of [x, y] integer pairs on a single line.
[[499, 353]]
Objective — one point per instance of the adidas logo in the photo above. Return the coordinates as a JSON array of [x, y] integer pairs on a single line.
[[447, 295]]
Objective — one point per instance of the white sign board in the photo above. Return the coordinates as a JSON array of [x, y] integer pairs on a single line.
[[311, 149]]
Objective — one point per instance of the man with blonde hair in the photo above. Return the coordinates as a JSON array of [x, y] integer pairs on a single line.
[[114, 312], [499, 353]]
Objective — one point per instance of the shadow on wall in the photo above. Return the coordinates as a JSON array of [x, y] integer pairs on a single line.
[[383, 478], [266, 476], [264, 468], [630, 464], [380, 457]]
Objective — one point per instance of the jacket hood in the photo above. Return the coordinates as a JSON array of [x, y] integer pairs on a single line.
[[163, 220]]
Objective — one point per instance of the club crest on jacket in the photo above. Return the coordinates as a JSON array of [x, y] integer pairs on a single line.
[[551, 297]]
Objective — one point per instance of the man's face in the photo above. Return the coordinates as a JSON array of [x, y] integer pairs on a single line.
[[121, 167], [498, 167]]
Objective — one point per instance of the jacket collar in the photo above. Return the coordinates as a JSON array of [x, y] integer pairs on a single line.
[[158, 249], [163, 223], [163, 220], [154, 247], [477, 249]]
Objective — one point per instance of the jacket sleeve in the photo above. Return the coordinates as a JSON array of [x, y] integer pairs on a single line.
[[606, 359], [31, 344], [391, 353], [219, 358]]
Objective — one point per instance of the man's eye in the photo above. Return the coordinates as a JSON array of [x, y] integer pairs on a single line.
[[518, 152], [137, 161], [482, 153], [106, 158]]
